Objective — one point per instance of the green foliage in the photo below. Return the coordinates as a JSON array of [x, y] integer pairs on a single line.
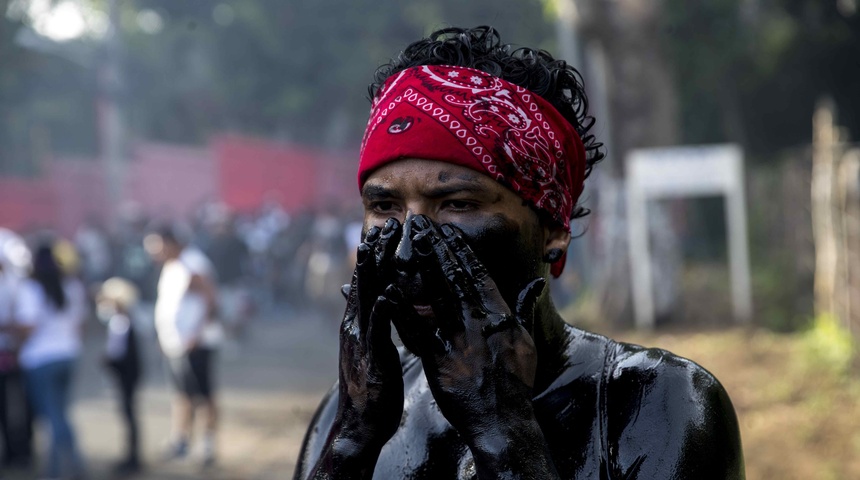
[[278, 68], [753, 76], [286, 68], [827, 345], [46, 102], [775, 298]]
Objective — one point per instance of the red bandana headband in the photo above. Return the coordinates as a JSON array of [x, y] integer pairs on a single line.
[[468, 117]]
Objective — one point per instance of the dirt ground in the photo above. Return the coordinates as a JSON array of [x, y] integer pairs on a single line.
[[797, 421], [798, 418]]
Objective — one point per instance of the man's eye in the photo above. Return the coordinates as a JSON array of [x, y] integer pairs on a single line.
[[459, 205], [382, 206]]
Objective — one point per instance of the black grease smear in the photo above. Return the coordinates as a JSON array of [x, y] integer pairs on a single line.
[[512, 256], [615, 411]]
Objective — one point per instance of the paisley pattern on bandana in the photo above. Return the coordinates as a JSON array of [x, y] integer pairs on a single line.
[[471, 118]]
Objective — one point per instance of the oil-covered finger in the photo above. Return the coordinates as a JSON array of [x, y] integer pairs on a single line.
[[456, 276], [349, 324], [404, 258], [409, 324], [469, 261], [389, 238], [442, 279], [365, 286], [379, 322], [527, 301], [349, 290], [371, 235]]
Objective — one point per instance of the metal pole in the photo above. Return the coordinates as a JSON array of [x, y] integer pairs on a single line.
[[639, 251], [568, 40], [113, 125], [736, 222]]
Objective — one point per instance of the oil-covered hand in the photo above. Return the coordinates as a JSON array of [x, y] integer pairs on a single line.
[[370, 377], [478, 357]]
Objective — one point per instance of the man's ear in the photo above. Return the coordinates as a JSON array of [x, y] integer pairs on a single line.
[[557, 239]]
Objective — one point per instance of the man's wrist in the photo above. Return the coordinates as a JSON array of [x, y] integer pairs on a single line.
[[357, 440], [355, 457], [512, 450]]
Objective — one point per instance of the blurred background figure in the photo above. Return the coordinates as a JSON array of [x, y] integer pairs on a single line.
[[326, 265], [231, 262], [93, 245], [16, 429], [49, 315], [185, 311], [115, 301]]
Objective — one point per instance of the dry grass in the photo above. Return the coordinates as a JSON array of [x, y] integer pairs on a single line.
[[799, 416]]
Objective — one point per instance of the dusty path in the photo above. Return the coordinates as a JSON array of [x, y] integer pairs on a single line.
[[269, 387]]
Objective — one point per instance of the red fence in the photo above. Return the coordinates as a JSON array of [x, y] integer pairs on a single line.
[[170, 181]]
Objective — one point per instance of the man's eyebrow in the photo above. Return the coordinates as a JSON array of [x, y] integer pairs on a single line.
[[450, 189], [375, 192]]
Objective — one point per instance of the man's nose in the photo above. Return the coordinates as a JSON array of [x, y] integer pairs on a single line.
[[420, 207]]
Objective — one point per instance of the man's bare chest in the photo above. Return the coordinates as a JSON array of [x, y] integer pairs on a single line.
[[427, 447]]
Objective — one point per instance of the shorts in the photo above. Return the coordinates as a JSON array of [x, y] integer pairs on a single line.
[[191, 374]]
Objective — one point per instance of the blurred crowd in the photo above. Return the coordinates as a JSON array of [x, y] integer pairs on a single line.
[[284, 262], [267, 264]]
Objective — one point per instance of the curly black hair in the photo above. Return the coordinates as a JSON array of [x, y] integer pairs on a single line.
[[481, 48]]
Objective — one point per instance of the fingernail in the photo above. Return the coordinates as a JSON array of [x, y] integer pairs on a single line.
[[447, 230], [421, 222], [403, 253], [390, 226], [363, 252], [372, 234]]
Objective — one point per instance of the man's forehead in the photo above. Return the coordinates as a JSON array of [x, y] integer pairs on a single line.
[[425, 173]]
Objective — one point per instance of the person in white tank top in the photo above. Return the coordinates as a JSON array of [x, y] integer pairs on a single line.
[[187, 333]]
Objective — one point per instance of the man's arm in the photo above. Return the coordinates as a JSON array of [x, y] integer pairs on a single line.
[[370, 382], [319, 430], [204, 286], [670, 418]]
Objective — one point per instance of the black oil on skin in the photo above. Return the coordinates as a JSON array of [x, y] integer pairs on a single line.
[[512, 257], [613, 410], [616, 411]]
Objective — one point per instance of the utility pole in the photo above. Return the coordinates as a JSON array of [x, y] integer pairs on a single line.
[[568, 40], [823, 144]]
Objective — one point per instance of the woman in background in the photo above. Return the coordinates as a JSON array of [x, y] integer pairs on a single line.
[[49, 313]]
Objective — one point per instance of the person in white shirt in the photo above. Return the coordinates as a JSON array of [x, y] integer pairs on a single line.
[[187, 333], [49, 317]]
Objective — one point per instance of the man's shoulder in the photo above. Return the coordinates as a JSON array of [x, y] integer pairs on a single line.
[[196, 261], [660, 408], [659, 373], [621, 363]]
